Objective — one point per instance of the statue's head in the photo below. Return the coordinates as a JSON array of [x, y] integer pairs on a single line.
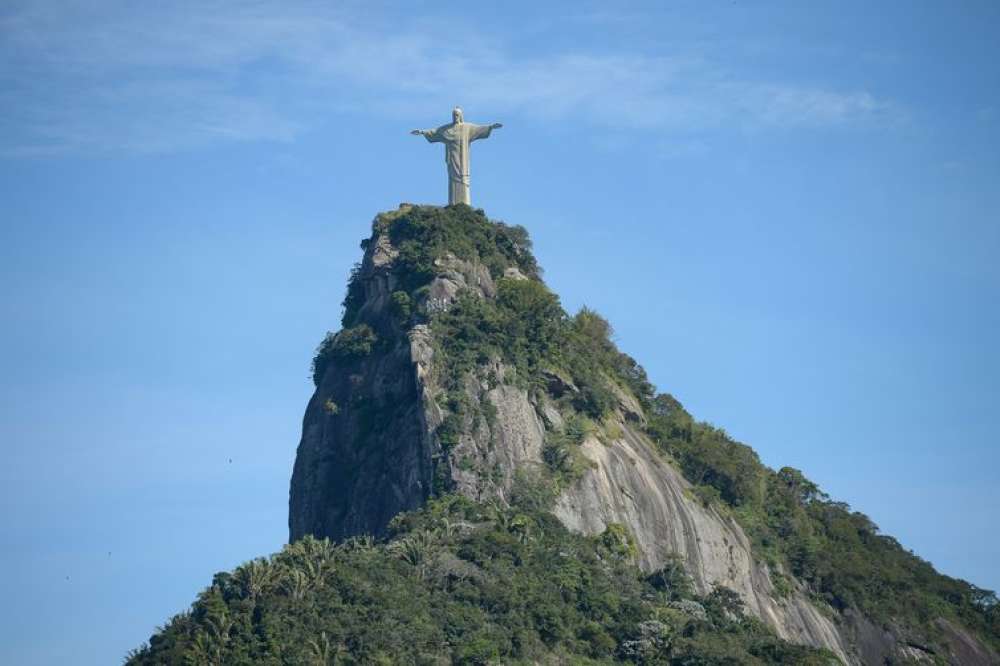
[[456, 114]]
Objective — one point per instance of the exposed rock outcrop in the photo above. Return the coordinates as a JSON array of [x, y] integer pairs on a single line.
[[371, 448]]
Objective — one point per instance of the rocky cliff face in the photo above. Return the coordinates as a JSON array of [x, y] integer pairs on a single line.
[[366, 450], [382, 434]]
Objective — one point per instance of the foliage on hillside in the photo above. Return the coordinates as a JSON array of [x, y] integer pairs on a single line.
[[424, 234], [461, 583], [349, 343], [527, 328], [838, 553], [525, 325]]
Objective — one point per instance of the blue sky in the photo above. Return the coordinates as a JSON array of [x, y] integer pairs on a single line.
[[788, 211]]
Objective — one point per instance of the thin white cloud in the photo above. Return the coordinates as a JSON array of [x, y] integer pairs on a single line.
[[147, 77]]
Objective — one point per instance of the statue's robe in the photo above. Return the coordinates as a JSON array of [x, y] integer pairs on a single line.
[[456, 138]]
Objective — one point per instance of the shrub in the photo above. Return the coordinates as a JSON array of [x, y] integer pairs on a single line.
[[449, 431], [348, 344], [672, 579], [354, 298], [618, 541], [426, 233], [401, 306]]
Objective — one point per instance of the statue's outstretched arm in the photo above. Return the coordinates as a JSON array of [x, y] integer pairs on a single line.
[[430, 135], [481, 131]]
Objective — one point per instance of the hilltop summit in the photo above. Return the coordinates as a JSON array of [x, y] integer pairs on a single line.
[[498, 468]]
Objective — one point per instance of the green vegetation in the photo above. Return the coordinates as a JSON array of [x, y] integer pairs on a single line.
[[521, 326], [402, 306], [355, 296], [425, 234], [348, 344], [591, 351], [526, 327], [561, 453], [838, 553], [463, 583], [708, 457]]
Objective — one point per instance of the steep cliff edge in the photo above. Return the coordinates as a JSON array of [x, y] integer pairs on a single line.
[[457, 372]]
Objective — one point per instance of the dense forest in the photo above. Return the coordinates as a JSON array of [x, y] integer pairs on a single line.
[[465, 583]]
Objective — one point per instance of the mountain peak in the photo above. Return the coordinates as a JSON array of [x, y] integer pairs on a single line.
[[459, 401]]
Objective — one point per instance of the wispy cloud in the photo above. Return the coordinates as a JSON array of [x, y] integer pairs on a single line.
[[146, 77]]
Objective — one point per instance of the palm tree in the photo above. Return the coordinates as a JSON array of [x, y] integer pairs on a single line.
[[500, 515], [200, 650], [296, 584], [363, 542], [322, 652], [254, 577], [316, 570], [207, 646], [312, 548], [415, 549], [218, 628], [450, 528], [312, 558]]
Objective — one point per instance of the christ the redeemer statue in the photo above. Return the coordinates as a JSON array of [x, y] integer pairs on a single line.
[[456, 137]]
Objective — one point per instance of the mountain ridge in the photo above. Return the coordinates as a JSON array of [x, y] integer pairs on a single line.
[[458, 373]]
